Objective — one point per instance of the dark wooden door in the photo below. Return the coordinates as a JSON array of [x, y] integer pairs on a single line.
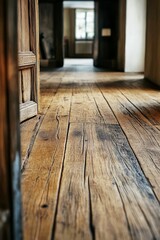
[[106, 34], [51, 32], [28, 36], [10, 200]]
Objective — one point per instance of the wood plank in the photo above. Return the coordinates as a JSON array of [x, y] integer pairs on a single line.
[[146, 103], [27, 110], [48, 93], [143, 137], [102, 105], [30, 128], [26, 59], [83, 106], [120, 167], [73, 214], [88, 177], [44, 75], [102, 182], [40, 193], [88, 105]]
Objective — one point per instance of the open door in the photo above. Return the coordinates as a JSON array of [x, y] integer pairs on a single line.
[[28, 44], [51, 33], [10, 197]]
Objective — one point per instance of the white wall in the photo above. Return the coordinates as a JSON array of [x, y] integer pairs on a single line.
[[135, 35]]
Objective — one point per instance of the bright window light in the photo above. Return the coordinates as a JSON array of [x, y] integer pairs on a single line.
[[84, 24]]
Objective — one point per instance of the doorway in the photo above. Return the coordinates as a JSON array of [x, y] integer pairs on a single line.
[[90, 31], [79, 29]]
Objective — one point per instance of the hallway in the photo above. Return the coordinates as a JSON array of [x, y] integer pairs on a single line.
[[90, 159]]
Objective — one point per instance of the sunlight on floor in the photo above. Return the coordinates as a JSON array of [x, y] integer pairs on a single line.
[[78, 61]]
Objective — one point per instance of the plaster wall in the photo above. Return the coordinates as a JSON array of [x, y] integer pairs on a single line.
[[135, 36]]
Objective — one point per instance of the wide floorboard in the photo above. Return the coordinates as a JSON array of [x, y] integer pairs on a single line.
[[91, 158]]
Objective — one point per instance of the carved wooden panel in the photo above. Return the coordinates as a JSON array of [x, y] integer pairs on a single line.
[[28, 57]]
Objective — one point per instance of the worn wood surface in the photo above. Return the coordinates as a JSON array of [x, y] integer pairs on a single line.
[[93, 167], [27, 59], [28, 45], [28, 110], [10, 198]]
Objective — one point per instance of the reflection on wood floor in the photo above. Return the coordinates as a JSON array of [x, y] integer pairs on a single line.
[[91, 158]]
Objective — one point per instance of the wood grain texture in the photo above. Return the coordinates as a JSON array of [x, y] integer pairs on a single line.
[[30, 128], [142, 135], [50, 143], [28, 110], [109, 178], [93, 169], [10, 200], [26, 59], [147, 108], [24, 31], [26, 85], [28, 45], [5, 199], [29, 131], [88, 105]]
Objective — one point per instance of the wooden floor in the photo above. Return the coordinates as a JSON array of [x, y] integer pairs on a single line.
[[91, 158]]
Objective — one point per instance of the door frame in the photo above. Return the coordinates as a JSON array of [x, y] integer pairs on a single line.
[[10, 200]]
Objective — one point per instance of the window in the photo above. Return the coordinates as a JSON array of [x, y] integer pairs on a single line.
[[84, 24]]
